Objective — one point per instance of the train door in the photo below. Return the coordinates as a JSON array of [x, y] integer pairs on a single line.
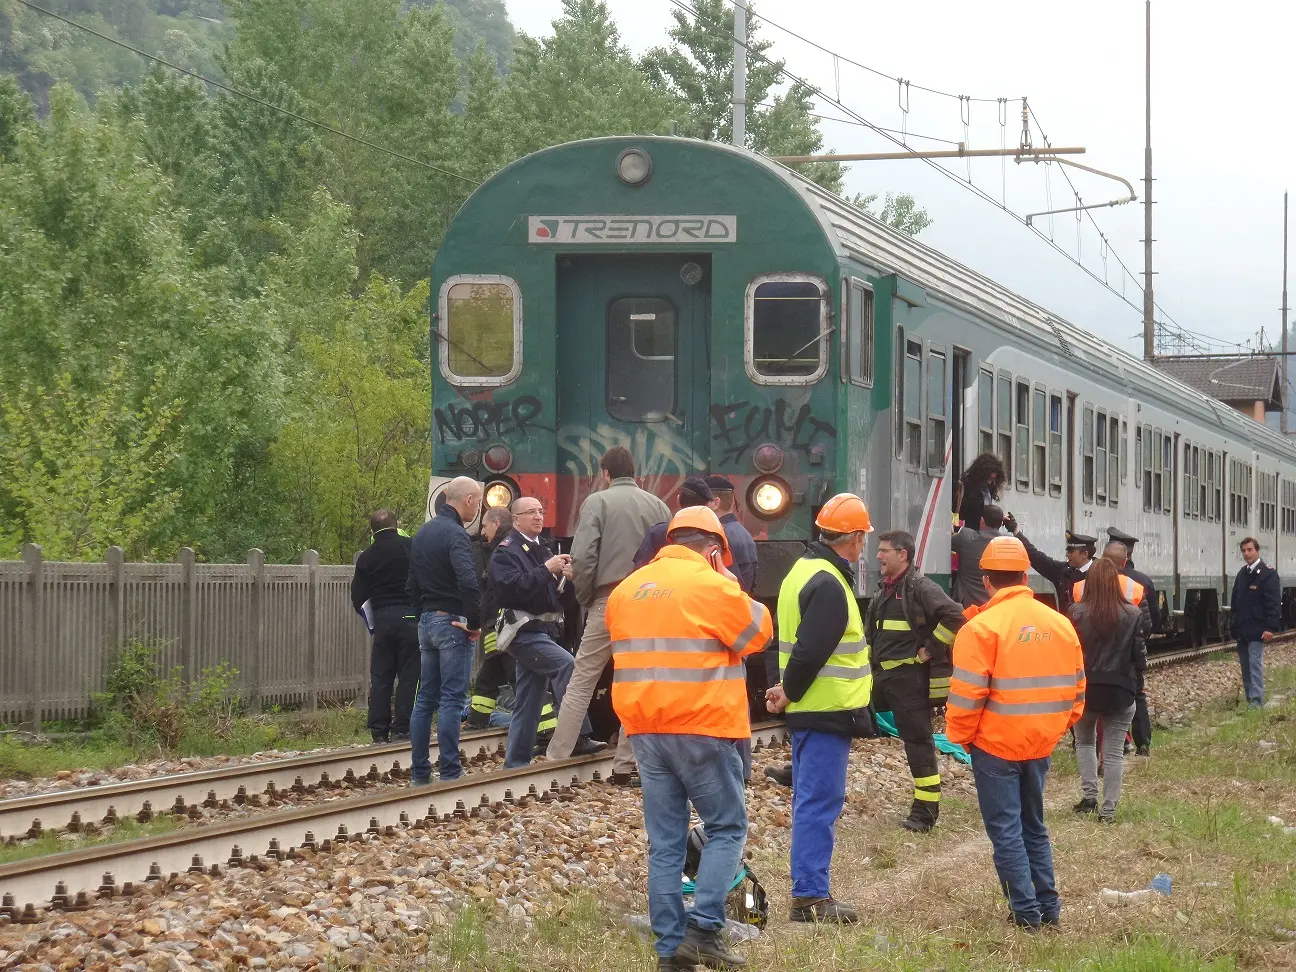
[[633, 366], [958, 403]]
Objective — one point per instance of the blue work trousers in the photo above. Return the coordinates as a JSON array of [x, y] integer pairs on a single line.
[[675, 770], [818, 794], [541, 662], [1011, 795], [1251, 657], [446, 654]]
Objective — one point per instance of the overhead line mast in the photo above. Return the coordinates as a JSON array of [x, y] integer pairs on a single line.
[[740, 74], [1149, 322]]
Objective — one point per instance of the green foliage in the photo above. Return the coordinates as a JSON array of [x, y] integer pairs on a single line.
[[478, 22], [698, 70], [898, 211]]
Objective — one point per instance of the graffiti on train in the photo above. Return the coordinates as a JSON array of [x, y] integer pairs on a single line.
[[661, 458], [741, 426], [480, 421]]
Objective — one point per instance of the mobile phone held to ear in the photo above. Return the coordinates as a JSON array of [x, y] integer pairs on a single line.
[[717, 561]]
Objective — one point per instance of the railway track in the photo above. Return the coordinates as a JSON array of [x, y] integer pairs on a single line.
[[71, 880]]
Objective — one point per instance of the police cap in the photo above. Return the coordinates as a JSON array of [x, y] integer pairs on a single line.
[[1078, 541], [1120, 536]]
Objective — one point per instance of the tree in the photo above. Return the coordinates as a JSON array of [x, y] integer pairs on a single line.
[[697, 69], [84, 471], [476, 23], [898, 211]]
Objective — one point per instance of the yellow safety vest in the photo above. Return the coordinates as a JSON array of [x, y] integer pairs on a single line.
[[845, 682]]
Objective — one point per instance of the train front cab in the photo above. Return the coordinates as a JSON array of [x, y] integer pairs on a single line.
[[676, 297]]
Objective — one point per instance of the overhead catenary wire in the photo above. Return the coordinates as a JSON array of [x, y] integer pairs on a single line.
[[251, 97], [686, 8]]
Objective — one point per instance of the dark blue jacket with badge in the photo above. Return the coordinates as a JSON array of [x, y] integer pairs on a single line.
[[522, 582], [1256, 604]]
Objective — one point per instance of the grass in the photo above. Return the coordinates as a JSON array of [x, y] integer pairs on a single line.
[[1197, 810], [97, 749], [128, 829]]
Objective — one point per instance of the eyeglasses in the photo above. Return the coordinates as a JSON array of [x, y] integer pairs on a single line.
[[538, 511], [886, 550]]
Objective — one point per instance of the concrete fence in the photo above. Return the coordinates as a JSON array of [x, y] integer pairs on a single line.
[[289, 629]]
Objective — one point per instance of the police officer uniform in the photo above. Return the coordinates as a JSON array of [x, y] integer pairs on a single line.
[[903, 617], [1141, 727], [379, 580], [1058, 572]]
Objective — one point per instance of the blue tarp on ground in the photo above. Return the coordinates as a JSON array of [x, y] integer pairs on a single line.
[[886, 722]]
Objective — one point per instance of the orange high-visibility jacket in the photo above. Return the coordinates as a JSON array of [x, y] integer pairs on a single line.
[[1019, 681], [1133, 590], [679, 632]]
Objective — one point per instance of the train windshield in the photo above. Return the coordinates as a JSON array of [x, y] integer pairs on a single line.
[[481, 329], [786, 323]]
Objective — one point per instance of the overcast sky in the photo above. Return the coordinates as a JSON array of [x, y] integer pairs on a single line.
[[1223, 140]]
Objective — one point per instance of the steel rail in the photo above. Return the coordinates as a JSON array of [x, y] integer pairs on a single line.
[[71, 880], [83, 808]]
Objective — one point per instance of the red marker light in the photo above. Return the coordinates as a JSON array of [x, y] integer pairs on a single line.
[[497, 458], [768, 458]]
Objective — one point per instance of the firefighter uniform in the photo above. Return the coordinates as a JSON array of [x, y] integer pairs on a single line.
[[680, 630], [827, 682], [1018, 686], [903, 617]]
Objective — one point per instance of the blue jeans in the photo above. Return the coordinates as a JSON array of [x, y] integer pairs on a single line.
[[1251, 656], [1011, 795], [541, 662], [818, 794], [446, 655], [677, 770]]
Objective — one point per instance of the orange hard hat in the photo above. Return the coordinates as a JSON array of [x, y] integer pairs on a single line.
[[703, 519], [1005, 553], [844, 513]]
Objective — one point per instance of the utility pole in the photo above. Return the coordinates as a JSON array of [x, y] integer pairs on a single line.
[[1285, 383], [1149, 322], [740, 74]]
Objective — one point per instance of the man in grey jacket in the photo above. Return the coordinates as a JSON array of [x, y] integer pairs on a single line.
[[969, 543], [611, 525]]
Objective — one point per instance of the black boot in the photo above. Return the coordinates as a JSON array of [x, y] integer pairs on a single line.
[[706, 948], [477, 720], [782, 775], [585, 746], [922, 817], [826, 910], [1086, 805]]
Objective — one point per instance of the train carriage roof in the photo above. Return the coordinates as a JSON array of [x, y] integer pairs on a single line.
[[859, 236]]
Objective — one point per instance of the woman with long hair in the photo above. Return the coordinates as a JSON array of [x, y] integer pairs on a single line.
[[1115, 654], [980, 485]]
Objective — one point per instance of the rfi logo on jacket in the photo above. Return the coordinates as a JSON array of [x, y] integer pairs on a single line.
[[649, 591], [1028, 633]]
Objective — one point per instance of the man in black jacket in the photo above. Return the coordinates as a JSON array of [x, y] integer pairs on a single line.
[[526, 579], [1256, 615], [442, 586], [1062, 574], [495, 667], [379, 585], [910, 626], [1141, 727]]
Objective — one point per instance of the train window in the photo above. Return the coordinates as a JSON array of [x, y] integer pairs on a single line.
[[860, 339], [787, 324], [1100, 457], [1199, 463], [985, 412], [1003, 400], [1124, 451], [1115, 455], [1087, 451], [1055, 445], [1212, 486], [1233, 476], [1289, 507], [913, 404], [937, 411], [640, 359], [1268, 502], [1167, 484], [1157, 467], [1188, 490], [1039, 439], [1023, 435], [480, 330]]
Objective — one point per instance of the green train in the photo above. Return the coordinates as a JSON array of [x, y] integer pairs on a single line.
[[711, 310]]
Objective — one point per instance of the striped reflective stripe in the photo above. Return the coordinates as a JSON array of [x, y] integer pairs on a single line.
[[724, 674], [940, 681], [752, 631], [894, 624], [668, 644], [933, 780], [938, 688], [926, 796], [483, 703], [944, 635], [843, 648], [972, 678], [842, 671], [889, 664], [1028, 708], [1033, 682], [963, 702]]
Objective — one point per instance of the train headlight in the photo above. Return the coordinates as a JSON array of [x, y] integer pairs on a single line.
[[769, 498], [498, 494], [634, 167]]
